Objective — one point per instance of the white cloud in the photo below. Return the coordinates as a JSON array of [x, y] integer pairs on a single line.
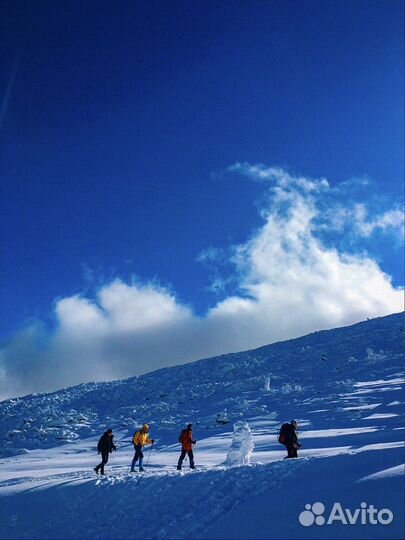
[[279, 176], [135, 308], [210, 255], [119, 308], [391, 219], [78, 315], [289, 282]]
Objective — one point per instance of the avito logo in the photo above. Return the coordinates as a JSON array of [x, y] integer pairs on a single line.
[[365, 515]]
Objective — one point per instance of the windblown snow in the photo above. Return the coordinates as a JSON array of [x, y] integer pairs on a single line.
[[345, 387]]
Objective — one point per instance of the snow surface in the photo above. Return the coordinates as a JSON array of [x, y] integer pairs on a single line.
[[48, 488]]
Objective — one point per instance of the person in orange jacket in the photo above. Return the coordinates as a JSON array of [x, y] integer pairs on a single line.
[[187, 442], [139, 440]]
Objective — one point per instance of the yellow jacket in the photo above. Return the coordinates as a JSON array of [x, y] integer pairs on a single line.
[[141, 438]]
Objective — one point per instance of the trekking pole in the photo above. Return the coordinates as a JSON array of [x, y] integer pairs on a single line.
[[150, 451], [147, 461]]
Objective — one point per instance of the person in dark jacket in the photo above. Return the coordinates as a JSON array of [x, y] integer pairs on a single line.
[[291, 440], [104, 447], [187, 441]]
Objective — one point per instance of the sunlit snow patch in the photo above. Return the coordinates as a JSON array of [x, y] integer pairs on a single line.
[[399, 470]]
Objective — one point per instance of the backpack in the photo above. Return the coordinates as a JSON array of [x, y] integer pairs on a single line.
[[181, 436], [285, 433], [100, 444]]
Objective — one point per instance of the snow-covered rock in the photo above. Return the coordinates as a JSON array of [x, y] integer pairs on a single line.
[[242, 445]]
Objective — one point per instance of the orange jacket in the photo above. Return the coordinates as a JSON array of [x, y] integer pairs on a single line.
[[187, 440]]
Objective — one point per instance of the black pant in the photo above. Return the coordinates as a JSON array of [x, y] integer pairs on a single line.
[[138, 455], [104, 460], [292, 451], [183, 455]]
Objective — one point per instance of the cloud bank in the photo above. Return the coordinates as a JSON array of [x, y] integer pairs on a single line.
[[304, 269]]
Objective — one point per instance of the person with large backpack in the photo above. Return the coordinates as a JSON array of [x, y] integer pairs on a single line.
[[289, 437], [139, 440], [104, 447], [186, 440]]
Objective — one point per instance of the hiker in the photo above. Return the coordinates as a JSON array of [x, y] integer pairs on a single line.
[[139, 440], [288, 436], [187, 441], [104, 447]]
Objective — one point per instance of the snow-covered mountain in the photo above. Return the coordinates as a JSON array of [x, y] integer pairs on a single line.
[[345, 387]]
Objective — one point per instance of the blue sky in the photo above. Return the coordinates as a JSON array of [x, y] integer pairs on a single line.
[[140, 144]]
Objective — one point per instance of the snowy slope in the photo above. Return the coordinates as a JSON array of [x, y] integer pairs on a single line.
[[344, 386]]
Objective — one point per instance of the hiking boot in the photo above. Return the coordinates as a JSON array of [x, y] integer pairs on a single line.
[[95, 470], [141, 469]]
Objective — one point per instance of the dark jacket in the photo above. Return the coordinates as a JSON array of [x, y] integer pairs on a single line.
[[288, 436], [292, 437], [106, 443]]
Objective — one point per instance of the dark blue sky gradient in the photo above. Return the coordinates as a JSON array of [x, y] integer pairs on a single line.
[[121, 111]]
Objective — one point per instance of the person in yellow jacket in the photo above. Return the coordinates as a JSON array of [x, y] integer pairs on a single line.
[[140, 439]]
